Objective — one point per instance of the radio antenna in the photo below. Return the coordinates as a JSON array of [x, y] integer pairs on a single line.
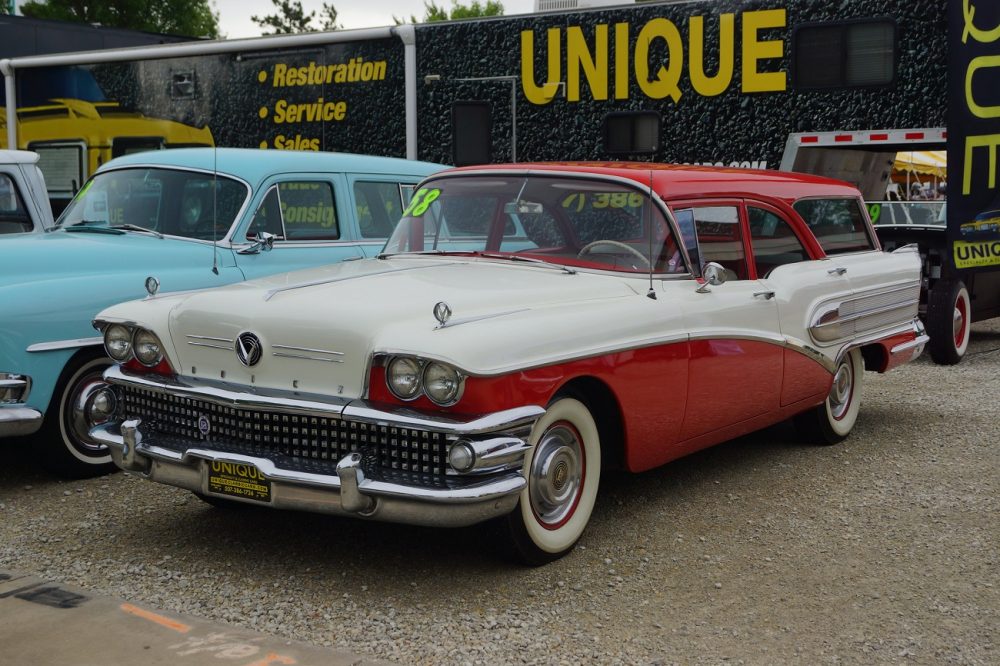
[[215, 211], [649, 224]]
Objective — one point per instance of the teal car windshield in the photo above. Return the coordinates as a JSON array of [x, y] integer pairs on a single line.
[[173, 202], [573, 222]]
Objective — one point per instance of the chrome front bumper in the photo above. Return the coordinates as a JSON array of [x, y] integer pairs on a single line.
[[491, 491], [348, 493], [19, 421]]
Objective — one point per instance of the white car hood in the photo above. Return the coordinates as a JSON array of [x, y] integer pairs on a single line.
[[319, 328]]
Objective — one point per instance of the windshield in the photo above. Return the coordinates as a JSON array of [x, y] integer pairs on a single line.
[[179, 203], [577, 222]]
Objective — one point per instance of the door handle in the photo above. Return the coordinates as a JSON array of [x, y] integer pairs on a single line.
[[840, 270], [766, 295]]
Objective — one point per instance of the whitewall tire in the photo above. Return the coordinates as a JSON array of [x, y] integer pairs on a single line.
[[563, 471], [833, 421]]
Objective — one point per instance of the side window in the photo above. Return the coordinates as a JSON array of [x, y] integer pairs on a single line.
[[307, 210], [773, 241], [379, 207], [297, 210], [13, 216], [720, 239], [838, 224]]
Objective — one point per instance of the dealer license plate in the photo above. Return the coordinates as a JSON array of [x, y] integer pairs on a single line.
[[238, 480]]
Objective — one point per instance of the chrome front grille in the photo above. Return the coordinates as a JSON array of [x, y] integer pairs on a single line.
[[311, 442]]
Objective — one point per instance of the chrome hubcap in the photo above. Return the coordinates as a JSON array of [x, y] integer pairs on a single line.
[[840, 392], [957, 330], [556, 475], [80, 420]]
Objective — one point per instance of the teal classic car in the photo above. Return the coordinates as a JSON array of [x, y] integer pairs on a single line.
[[171, 221]]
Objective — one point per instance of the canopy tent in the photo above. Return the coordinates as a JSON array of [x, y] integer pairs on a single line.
[[927, 162]]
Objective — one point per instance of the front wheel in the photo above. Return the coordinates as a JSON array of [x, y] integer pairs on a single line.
[[64, 442], [949, 314], [833, 421], [563, 471]]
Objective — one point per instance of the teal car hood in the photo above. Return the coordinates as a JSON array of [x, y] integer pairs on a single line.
[[63, 255]]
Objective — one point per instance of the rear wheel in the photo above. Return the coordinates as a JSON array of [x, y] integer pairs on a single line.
[[949, 315], [833, 421], [563, 471], [64, 444]]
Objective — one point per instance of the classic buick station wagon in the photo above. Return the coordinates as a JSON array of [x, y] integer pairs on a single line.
[[523, 328]]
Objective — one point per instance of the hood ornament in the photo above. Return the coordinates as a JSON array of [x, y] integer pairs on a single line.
[[152, 285], [442, 313], [249, 349]]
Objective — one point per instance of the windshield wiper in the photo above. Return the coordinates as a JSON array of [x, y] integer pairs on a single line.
[[530, 260], [386, 255], [136, 227], [99, 227]]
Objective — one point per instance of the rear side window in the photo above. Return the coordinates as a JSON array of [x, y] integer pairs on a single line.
[[379, 207], [773, 241], [838, 224]]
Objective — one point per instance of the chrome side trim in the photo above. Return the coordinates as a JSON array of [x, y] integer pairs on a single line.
[[210, 346], [207, 340], [307, 354], [906, 346], [209, 337], [13, 383], [64, 344]]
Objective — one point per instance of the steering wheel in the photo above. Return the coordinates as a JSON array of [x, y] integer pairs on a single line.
[[586, 249]]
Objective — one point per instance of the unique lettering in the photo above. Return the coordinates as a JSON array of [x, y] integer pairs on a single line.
[[975, 64], [665, 83], [622, 61], [988, 141], [981, 36], [545, 93], [754, 51], [702, 83], [594, 64]]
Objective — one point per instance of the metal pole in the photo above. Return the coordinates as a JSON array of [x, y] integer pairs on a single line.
[[408, 35], [10, 92]]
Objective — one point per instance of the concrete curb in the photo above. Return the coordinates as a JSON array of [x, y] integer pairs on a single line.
[[52, 623]]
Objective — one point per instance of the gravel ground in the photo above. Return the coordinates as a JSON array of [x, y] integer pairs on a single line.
[[762, 550]]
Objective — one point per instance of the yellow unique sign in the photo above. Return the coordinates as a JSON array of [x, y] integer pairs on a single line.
[[238, 480], [977, 255], [590, 63]]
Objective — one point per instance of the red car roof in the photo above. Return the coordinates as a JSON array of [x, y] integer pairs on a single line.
[[681, 181]]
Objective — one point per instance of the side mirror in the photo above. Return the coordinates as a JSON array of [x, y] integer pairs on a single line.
[[263, 242], [714, 275]]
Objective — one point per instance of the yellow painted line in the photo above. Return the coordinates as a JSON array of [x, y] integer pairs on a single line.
[[179, 627]]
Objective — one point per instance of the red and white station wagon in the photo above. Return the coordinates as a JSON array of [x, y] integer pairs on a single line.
[[525, 327]]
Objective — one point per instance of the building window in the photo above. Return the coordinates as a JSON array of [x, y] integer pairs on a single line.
[[632, 133], [849, 54]]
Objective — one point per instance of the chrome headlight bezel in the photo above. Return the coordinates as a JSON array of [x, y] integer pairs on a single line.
[[144, 336], [455, 377], [125, 336], [416, 371]]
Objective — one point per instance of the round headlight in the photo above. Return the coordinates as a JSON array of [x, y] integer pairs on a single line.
[[118, 342], [403, 377], [146, 348], [441, 383]]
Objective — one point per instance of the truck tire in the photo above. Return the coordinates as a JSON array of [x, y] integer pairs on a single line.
[[62, 443], [949, 316]]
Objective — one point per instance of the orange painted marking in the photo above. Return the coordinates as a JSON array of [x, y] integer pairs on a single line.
[[272, 658], [179, 627]]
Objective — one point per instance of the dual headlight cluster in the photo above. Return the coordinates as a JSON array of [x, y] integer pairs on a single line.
[[124, 343], [408, 377]]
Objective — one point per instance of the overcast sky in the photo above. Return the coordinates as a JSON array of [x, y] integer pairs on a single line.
[[234, 15]]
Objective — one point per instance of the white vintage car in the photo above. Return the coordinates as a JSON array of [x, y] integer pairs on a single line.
[[524, 328]]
